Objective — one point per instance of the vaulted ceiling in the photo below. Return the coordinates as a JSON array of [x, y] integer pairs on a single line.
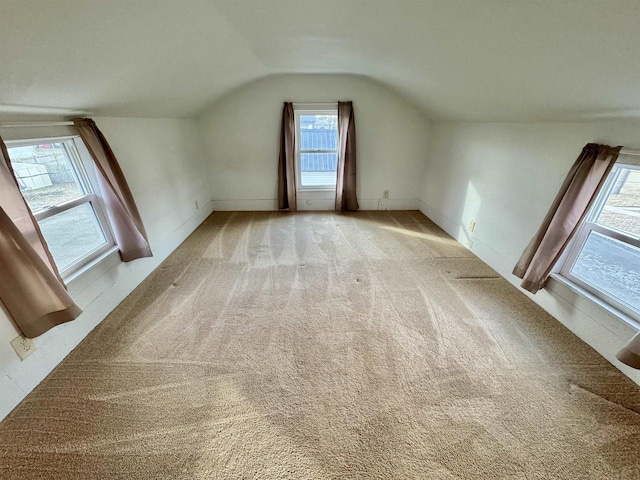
[[474, 60]]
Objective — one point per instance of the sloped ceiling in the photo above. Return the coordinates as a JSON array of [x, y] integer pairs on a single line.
[[472, 60]]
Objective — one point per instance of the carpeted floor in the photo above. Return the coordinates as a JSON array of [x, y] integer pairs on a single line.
[[319, 345]]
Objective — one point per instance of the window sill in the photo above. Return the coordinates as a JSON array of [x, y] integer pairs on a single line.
[[568, 290], [96, 267], [328, 188]]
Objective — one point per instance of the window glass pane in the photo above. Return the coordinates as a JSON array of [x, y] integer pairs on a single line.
[[622, 208], [45, 175], [72, 234], [318, 169], [318, 132], [610, 266]]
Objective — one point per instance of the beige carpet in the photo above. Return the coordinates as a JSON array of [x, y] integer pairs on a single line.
[[313, 346]]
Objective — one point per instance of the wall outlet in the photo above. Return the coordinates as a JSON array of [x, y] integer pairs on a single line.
[[197, 206], [23, 346], [472, 225], [385, 194]]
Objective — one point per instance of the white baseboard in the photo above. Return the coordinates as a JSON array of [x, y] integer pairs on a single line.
[[594, 325], [97, 298], [450, 226], [243, 205]]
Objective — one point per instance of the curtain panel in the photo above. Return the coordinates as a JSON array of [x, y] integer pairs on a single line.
[[346, 174], [287, 200], [124, 218], [16, 208], [579, 190], [630, 353], [30, 288]]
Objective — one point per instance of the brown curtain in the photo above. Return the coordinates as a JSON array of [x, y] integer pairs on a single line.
[[122, 211], [630, 353], [286, 161], [31, 288], [569, 208], [346, 175]]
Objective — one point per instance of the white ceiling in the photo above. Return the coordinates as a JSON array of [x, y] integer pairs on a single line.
[[497, 60]]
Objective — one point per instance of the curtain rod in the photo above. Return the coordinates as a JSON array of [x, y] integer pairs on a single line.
[[36, 124]]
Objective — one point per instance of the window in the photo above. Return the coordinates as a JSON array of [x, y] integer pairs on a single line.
[[316, 149], [59, 191], [604, 257]]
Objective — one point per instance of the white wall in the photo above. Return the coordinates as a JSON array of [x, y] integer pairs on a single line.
[[162, 161], [240, 136], [504, 177]]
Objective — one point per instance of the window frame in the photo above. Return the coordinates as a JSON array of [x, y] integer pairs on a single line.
[[589, 225], [82, 166], [299, 111]]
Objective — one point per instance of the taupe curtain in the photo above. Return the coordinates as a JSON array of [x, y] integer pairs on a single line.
[[579, 190], [31, 288], [346, 174], [630, 353], [122, 211], [286, 161]]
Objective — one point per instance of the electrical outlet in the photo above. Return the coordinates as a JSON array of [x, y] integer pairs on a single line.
[[23, 346], [197, 206], [472, 225], [385, 194]]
